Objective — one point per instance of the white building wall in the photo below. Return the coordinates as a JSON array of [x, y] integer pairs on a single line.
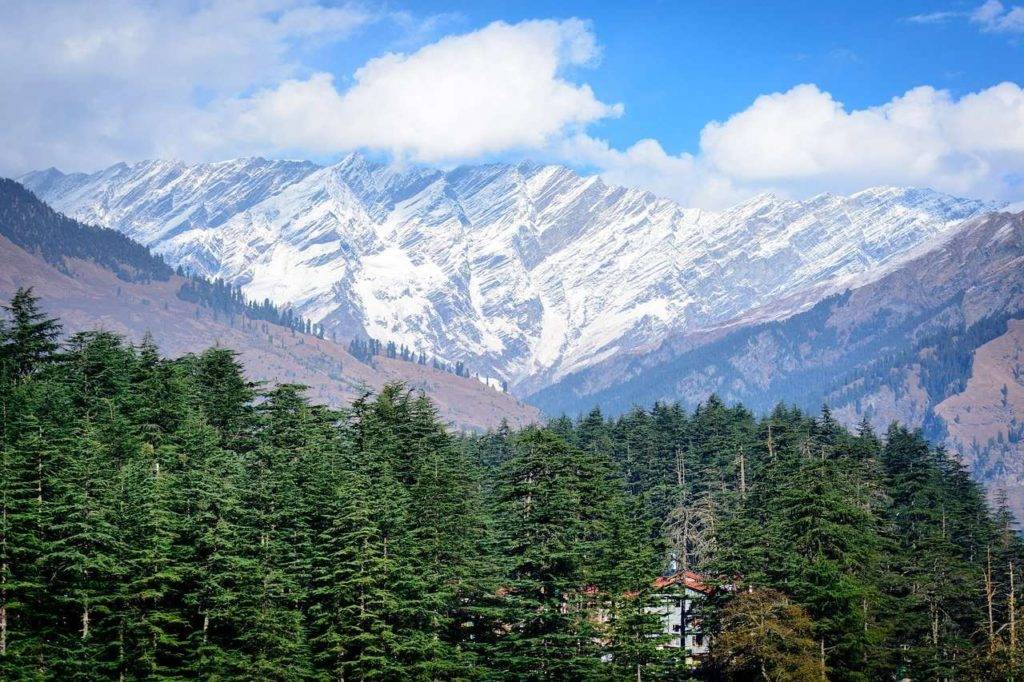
[[677, 613]]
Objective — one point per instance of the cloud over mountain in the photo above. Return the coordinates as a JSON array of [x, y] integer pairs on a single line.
[[90, 84], [489, 91], [805, 138]]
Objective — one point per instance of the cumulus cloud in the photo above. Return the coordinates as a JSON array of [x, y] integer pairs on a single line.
[[90, 83], [645, 164], [85, 85], [496, 89], [804, 139], [94, 83]]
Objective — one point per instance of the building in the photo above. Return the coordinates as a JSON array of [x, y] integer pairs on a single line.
[[677, 599], [679, 596]]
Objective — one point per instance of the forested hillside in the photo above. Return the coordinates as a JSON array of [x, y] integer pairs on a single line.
[[37, 228], [164, 518]]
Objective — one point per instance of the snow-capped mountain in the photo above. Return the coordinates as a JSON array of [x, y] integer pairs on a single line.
[[525, 272]]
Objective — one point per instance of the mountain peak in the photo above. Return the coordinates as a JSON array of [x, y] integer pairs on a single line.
[[763, 202], [523, 271]]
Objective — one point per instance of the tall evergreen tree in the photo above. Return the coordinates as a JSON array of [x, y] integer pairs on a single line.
[[28, 339], [549, 635]]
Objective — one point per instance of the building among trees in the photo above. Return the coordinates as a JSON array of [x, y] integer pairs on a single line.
[[678, 597]]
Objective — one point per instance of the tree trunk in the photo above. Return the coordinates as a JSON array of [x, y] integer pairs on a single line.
[[1013, 615], [743, 474], [3, 593], [989, 595], [864, 612]]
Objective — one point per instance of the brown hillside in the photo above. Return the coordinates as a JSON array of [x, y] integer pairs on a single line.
[[86, 296]]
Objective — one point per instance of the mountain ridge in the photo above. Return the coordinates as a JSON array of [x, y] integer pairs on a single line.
[[936, 342], [125, 290], [526, 272]]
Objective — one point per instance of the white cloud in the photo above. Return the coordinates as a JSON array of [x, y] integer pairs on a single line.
[[647, 165], [90, 83], [990, 17], [994, 17], [934, 17], [803, 140], [496, 89], [86, 85]]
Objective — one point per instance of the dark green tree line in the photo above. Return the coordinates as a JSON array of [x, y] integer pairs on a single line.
[[169, 519]]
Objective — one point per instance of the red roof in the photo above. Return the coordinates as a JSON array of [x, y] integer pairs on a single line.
[[687, 579]]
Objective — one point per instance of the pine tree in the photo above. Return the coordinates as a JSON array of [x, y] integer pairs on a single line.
[[278, 536], [443, 498], [353, 596], [225, 395], [549, 633], [221, 579], [635, 632], [23, 544], [82, 557], [29, 339], [154, 626]]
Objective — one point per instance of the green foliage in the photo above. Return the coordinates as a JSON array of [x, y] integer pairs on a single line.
[[765, 636], [168, 519], [228, 300], [28, 340]]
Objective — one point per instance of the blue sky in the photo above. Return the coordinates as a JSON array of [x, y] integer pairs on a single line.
[[890, 93], [677, 65]]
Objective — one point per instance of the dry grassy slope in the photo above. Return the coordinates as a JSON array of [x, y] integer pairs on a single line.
[[908, 406], [982, 416], [89, 297]]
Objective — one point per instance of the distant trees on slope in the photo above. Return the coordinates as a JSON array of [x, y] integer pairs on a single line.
[[228, 299], [37, 228], [34, 226], [366, 349]]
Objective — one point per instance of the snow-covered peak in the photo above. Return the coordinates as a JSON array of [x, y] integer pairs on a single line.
[[524, 271], [154, 200]]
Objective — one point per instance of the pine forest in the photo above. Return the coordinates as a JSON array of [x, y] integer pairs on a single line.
[[167, 519]]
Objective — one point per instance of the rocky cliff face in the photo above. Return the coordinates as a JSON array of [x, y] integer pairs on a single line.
[[524, 272]]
